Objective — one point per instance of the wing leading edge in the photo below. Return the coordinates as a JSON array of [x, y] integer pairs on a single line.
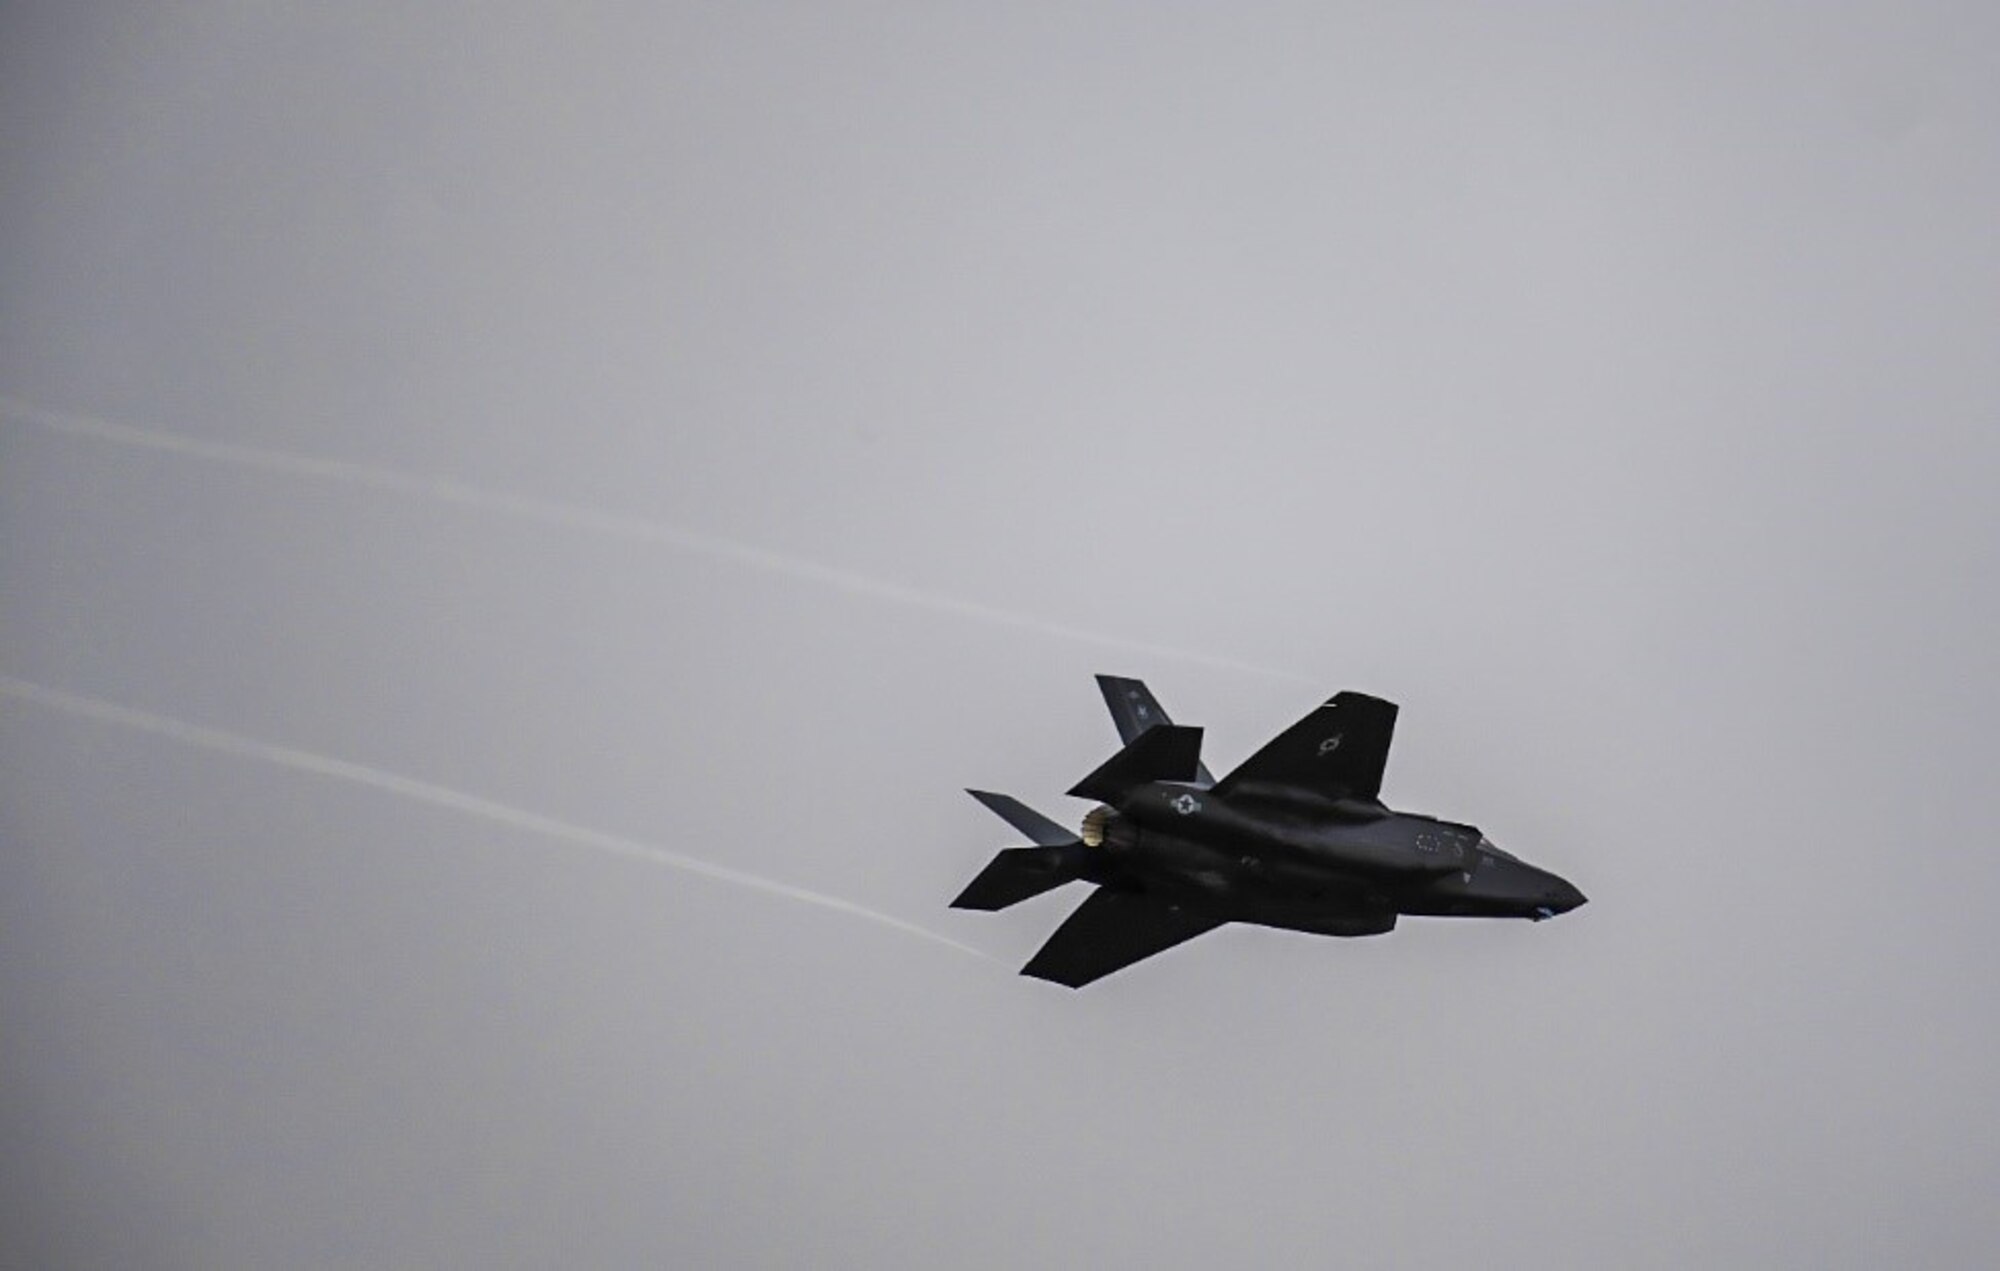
[[1339, 750]]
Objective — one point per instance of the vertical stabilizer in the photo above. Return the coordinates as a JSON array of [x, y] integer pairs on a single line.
[[1171, 752], [1134, 710]]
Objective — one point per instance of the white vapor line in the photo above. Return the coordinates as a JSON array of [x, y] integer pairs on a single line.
[[579, 518], [445, 797]]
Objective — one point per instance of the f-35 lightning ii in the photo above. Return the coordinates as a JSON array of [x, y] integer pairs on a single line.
[[1296, 837]]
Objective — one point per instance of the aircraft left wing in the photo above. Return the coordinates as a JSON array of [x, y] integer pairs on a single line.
[[1134, 709], [1111, 930], [1339, 750]]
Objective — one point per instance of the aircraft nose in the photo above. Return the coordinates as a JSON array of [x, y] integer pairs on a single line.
[[1564, 896]]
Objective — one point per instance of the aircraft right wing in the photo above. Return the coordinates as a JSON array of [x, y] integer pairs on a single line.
[[1339, 750], [1111, 930], [1134, 709]]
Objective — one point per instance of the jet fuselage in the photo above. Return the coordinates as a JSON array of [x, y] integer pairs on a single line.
[[1288, 858]]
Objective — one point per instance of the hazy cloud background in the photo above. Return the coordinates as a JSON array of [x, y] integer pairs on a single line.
[[731, 430]]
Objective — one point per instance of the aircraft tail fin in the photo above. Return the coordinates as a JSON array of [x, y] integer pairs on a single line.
[[1134, 710], [1166, 752]]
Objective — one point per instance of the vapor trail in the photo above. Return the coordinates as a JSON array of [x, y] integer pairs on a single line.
[[343, 471], [443, 796]]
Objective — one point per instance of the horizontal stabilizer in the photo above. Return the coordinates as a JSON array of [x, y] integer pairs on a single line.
[[1019, 873], [1171, 752], [1037, 827], [1134, 710], [1114, 929]]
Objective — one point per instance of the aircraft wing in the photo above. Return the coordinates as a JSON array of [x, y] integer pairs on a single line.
[[1114, 929], [1134, 709], [1339, 750]]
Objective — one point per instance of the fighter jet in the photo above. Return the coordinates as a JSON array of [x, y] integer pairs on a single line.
[[1296, 837]]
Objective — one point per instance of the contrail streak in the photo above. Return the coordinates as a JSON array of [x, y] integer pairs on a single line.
[[445, 797], [443, 490]]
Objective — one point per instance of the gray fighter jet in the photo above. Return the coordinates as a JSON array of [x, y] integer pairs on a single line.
[[1296, 837]]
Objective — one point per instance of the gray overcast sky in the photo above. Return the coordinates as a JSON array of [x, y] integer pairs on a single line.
[[506, 464]]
